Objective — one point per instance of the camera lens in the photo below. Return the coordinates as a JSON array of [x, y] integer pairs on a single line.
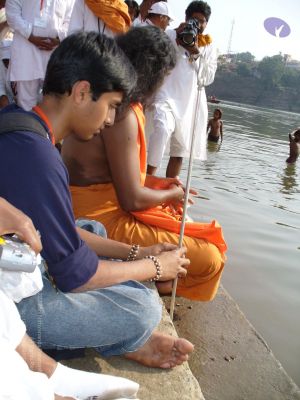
[[188, 39]]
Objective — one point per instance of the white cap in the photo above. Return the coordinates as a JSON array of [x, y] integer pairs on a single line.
[[5, 49], [161, 8]]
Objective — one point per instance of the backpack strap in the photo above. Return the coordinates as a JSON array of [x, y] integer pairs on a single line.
[[21, 121]]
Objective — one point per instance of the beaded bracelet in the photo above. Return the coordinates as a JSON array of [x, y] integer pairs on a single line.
[[158, 267], [133, 252]]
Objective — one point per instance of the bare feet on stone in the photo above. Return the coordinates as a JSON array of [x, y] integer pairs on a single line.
[[162, 351]]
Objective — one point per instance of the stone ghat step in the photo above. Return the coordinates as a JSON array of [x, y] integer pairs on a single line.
[[155, 384]]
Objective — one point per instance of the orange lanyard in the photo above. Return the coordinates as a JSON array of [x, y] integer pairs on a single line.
[[44, 117]]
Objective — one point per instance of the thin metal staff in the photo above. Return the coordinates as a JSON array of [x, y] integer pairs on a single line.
[[187, 187]]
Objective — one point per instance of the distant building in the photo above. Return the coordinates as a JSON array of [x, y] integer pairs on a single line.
[[226, 58]]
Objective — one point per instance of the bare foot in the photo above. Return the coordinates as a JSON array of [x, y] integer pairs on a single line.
[[162, 351], [164, 287]]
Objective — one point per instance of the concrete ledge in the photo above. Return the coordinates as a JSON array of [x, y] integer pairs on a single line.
[[231, 360], [155, 384]]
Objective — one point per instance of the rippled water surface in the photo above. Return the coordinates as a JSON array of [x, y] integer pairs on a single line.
[[247, 186]]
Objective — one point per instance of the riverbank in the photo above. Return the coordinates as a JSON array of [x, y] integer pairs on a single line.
[[249, 90]]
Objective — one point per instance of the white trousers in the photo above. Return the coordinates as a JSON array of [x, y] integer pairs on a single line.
[[29, 93], [160, 126]]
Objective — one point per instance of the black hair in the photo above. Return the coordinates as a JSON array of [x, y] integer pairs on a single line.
[[134, 6], [152, 54], [219, 111], [198, 7], [92, 57]]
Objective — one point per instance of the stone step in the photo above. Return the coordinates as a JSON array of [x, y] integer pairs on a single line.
[[155, 384]]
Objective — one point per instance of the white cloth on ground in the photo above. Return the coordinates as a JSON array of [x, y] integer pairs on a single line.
[[17, 380], [178, 95], [71, 382]]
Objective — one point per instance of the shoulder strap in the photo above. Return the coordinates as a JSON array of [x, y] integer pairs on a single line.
[[21, 121]]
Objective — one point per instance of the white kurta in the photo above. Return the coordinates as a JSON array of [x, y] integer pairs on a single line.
[[47, 18], [83, 20], [172, 111]]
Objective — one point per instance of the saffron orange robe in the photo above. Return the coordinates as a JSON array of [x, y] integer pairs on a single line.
[[204, 241], [114, 13]]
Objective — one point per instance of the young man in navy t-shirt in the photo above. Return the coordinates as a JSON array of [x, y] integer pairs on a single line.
[[85, 302]]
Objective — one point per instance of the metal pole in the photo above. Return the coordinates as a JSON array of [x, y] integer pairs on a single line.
[[187, 189]]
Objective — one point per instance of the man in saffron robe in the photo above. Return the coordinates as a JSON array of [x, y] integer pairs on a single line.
[[109, 182]]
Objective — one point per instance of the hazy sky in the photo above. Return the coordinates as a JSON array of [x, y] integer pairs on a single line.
[[249, 33]]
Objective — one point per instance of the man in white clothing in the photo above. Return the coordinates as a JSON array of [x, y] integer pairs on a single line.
[[39, 26], [26, 372], [144, 7], [170, 116], [159, 14]]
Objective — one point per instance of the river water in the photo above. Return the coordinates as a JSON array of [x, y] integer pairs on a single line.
[[246, 185]]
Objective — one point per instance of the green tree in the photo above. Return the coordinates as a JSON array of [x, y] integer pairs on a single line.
[[245, 57], [291, 78], [271, 70], [244, 69]]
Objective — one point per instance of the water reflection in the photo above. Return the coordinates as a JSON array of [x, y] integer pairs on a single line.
[[213, 147], [288, 179], [255, 196]]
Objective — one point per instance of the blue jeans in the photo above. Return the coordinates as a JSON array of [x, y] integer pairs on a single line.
[[113, 320]]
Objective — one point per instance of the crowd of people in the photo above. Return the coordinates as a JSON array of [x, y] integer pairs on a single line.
[[101, 79]]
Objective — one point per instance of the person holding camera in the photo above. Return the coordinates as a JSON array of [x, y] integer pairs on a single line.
[[170, 116], [26, 371]]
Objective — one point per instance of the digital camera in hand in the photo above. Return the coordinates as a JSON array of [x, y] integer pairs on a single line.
[[16, 255], [190, 32]]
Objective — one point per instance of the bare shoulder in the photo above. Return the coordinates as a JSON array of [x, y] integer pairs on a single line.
[[124, 128]]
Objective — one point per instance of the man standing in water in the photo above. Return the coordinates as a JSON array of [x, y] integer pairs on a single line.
[[294, 146], [215, 127]]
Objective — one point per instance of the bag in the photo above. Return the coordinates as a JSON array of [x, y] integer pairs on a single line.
[[20, 120], [17, 284]]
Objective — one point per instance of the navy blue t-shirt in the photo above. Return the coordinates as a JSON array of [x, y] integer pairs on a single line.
[[34, 179]]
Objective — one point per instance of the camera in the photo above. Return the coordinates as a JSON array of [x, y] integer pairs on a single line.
[[190, 32], [16, 255]]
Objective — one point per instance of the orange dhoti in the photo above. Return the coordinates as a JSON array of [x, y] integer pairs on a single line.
[[204, 241], [99, 202]]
